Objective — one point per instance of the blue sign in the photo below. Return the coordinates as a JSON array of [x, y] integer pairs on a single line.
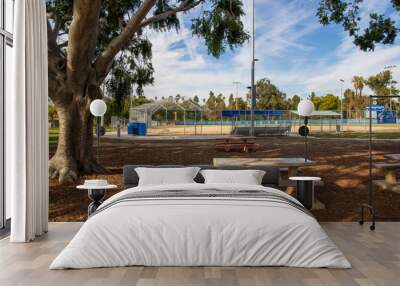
[[236, 113], [378, 112], [376, 107], [386, 117]]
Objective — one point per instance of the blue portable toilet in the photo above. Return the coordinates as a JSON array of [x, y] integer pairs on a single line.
[[388, 117], [132, 128], [142, 129]]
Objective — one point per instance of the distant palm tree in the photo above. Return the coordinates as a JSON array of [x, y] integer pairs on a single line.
[[359, 102], [358, 83]]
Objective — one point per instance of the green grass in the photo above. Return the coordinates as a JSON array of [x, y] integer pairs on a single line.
[[53, 135]]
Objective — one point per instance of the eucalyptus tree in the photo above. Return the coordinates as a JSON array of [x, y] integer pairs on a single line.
[[379, 29], [382, 84], [89, 38], [269, 96]]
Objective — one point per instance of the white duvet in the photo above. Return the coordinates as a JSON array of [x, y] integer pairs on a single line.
[[202, 232]]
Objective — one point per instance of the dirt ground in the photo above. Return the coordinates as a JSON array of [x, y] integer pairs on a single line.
[[342, 163]]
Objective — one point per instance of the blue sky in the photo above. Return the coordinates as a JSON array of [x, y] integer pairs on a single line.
[[297, 53]]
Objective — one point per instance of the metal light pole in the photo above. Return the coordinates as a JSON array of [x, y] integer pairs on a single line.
[[253, 88], [247, 103], [341, 101], [236, 84], [305, 108], [98, 108]]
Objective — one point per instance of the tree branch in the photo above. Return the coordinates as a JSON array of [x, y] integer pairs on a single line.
[[57, 26], [104, 61], [82, 43], [185, 6], [137, 22]]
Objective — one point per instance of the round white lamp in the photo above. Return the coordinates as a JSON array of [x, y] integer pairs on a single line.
[[98, 108], [305, 109]]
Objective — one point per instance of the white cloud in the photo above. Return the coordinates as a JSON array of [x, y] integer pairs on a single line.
[[283, 45], [354, 63]]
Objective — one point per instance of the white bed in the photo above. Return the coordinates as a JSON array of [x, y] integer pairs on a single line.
[[200, 231]]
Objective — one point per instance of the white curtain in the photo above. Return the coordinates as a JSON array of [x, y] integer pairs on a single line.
[[26, 124]]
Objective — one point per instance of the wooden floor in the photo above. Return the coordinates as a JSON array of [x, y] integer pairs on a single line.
[[375, 257]]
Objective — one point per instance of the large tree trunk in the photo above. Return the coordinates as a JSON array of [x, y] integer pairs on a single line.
[[74, 80], [74, 153]]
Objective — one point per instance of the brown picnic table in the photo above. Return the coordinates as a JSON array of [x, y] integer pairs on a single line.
[[237, 143]]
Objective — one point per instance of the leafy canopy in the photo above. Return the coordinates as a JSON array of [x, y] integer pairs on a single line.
[[382, 84], [269, 96], [380, 29], [218, 23]]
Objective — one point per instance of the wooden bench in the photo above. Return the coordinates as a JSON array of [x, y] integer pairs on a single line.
[[262, 131], [390, 182], [238, 144]]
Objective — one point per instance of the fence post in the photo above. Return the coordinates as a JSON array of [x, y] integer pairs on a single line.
[[221, 121]]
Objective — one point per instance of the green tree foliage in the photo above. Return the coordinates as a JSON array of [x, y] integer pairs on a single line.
[[269, 96], [349, 101], [380, 29], [52, 114], [330, 102], [119, 87], [219, 24], [354, 104], [325, 102], [214, 105], [236, 103], [360, 101], [121, 108], [89, 41], [317, 100], [358, 83], [231, 102], [139, 100], [241, 103], [382, 84], [134, 57], [221, 27], [294, 102]]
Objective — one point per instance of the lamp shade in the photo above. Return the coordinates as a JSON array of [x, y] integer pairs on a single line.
[[305, 108], [98, 107]]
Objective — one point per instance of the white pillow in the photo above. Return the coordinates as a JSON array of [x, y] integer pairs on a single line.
[[247, 177], [166, 176]]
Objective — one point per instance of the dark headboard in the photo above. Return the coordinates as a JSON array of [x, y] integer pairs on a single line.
[[131, 178]]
